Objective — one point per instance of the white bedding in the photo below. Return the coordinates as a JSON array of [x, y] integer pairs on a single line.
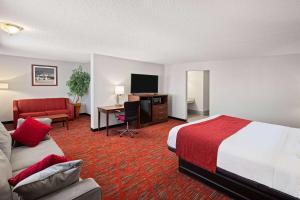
[[266, 153]]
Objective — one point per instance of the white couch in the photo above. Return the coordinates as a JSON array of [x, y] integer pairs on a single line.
[[14, 160]]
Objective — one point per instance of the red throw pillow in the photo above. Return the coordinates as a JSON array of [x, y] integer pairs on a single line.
[[39, 166], [31, 132]]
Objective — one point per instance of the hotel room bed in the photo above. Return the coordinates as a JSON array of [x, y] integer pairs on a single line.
[[259, 161]]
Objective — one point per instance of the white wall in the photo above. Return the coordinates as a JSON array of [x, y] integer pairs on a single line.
[[106, 72], [17, 72], [264, 89], [195, 81]]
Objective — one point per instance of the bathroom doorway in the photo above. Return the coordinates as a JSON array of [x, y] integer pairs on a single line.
[[197, 95]]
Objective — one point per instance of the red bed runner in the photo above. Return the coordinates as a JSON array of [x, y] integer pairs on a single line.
[[199, 143]]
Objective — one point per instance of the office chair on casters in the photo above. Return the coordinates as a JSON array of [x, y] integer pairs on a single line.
[[131, 113]]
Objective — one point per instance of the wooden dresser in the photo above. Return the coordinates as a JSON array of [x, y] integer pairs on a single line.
[[153, 108]]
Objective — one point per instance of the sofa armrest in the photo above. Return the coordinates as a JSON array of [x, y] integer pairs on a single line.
[[82, 190], [15, 112], [70, 108]]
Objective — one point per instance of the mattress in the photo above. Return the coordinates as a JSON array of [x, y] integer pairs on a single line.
[[265, 153]]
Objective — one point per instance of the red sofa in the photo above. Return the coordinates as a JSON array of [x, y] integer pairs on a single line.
[[23, 108]]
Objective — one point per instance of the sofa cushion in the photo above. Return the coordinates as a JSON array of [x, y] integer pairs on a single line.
[[5, 141], [82, 190], [55, 104], [31, 132], [31, 105], [17, 172], [22, 157], [5, 174], [43, 120], [49, 180], [55, 112], [32, 114], [37, 167]]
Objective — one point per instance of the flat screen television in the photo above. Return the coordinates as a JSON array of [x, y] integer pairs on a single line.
[[142, 83]]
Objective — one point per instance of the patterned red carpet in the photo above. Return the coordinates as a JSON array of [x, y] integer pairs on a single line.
[[131, 168]]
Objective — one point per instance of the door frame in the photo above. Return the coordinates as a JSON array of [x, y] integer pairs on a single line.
[[186, 89]]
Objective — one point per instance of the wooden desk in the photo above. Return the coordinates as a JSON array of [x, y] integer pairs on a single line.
[[108, 110]]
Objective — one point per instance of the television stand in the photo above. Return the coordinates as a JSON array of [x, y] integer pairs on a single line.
[[153, 108], [144, 94]]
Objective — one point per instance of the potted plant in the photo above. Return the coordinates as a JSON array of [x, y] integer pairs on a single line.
[[78, 84]]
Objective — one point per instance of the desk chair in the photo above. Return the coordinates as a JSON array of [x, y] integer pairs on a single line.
[[131, 113]]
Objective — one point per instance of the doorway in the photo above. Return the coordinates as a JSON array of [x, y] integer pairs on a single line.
[[197, 95]]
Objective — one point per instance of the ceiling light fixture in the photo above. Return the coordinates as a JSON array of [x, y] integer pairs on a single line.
[[10, 28]]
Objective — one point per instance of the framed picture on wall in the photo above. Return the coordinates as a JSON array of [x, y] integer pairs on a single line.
[[44, 75]]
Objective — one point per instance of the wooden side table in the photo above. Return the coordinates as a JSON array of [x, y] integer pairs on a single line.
[[107, 110]]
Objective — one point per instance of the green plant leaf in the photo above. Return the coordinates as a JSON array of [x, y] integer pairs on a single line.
[[78, 83]]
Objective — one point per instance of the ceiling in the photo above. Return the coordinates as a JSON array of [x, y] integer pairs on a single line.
[[158, 31]]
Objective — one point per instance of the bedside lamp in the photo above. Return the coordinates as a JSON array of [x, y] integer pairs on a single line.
[[119, 90], [3, 86]]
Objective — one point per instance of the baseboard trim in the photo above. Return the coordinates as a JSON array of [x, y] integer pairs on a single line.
[[197, 112], [205, 112], [180, 119], [110, 126], [84, 114], [7, 122]]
